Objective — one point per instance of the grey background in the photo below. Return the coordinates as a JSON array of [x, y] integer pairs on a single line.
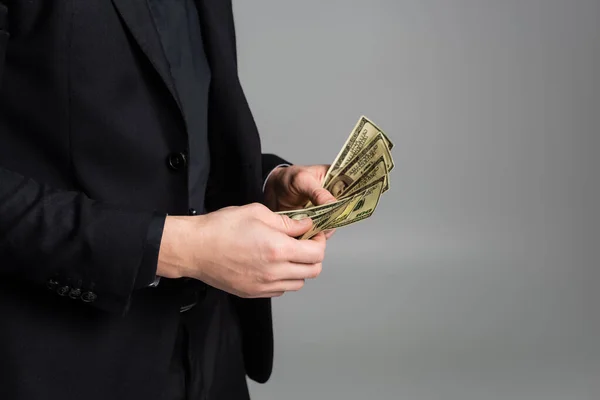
[[478, 276]]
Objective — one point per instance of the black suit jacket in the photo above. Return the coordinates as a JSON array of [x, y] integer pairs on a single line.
[[89, 120]]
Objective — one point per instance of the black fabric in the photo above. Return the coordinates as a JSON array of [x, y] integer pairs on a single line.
[[91, 134], [3, 13], [178, 26], [147, 273], [207, 358], [211, 321]]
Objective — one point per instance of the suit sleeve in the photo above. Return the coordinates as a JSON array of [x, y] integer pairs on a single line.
[[269, 162], [64, 241]]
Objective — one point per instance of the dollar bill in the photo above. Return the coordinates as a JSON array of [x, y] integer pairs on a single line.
[[364, 131], [377, 171], [361, 210], [357, 199], [322, 220], [362, 163], [313, 212]]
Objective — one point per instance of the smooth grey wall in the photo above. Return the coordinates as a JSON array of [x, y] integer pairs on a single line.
[[477, 277]]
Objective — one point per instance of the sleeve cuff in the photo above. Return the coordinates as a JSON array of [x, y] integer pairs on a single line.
[[269, 175], [147, 272]]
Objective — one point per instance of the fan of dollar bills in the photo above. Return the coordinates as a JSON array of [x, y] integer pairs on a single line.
[[357, 179]]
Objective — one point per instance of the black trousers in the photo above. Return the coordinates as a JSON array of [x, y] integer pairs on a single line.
[[207, 361]]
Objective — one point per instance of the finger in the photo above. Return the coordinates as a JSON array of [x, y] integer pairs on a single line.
[[309, 186], [307, 251], [292, 285], [320, 171], [290, 227], [329, 233], [294, 271], [267, 295], [320, 238], [319, 196]]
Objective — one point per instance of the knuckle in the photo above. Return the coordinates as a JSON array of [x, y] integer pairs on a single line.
[[286, 222], [264, 276], [272, 252], [321, 256], [317, 193], [297, 286], [266, 249], [303, 179], [248, 288], [267, 277], [255, 208], [303, 176], [316, 271], [243, 291], [297, 173], [320, 253]]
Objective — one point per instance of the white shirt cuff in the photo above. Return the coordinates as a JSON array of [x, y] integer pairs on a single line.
[[268, 176], [156, 282]]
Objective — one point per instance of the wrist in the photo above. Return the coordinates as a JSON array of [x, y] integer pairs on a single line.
[[270, 186]]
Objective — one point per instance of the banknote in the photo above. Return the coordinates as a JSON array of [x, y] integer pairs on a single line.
[[358, 166], [363, 209], [364, 131], [323, 219], [357, 199], [377, 171], [314, 211], [358, 177]]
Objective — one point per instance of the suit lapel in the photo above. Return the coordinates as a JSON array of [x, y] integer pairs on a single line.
[[137, 17]]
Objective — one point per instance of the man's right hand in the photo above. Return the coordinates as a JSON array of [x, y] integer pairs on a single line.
[[247, 251]]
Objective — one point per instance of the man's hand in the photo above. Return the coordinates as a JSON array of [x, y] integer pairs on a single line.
[[290, 188], [247, 251]]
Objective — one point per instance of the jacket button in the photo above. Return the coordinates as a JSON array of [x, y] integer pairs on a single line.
[[177, 161], [63, 290], [89, 297], [192, 211], [75, 293], [51, 284]]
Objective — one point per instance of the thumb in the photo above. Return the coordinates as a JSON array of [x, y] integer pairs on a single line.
[[320, 196], [293, 227]]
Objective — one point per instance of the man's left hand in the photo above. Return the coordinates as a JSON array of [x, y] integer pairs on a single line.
[[290, 188]]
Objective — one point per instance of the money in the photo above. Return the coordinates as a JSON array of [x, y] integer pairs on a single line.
[[312, 212], [363, 209], [357, 199], [358, 177], [320, 221], [376, 172], [358, 166], [364, 131]]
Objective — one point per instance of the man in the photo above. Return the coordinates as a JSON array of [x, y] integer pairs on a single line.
[[136, 258]]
